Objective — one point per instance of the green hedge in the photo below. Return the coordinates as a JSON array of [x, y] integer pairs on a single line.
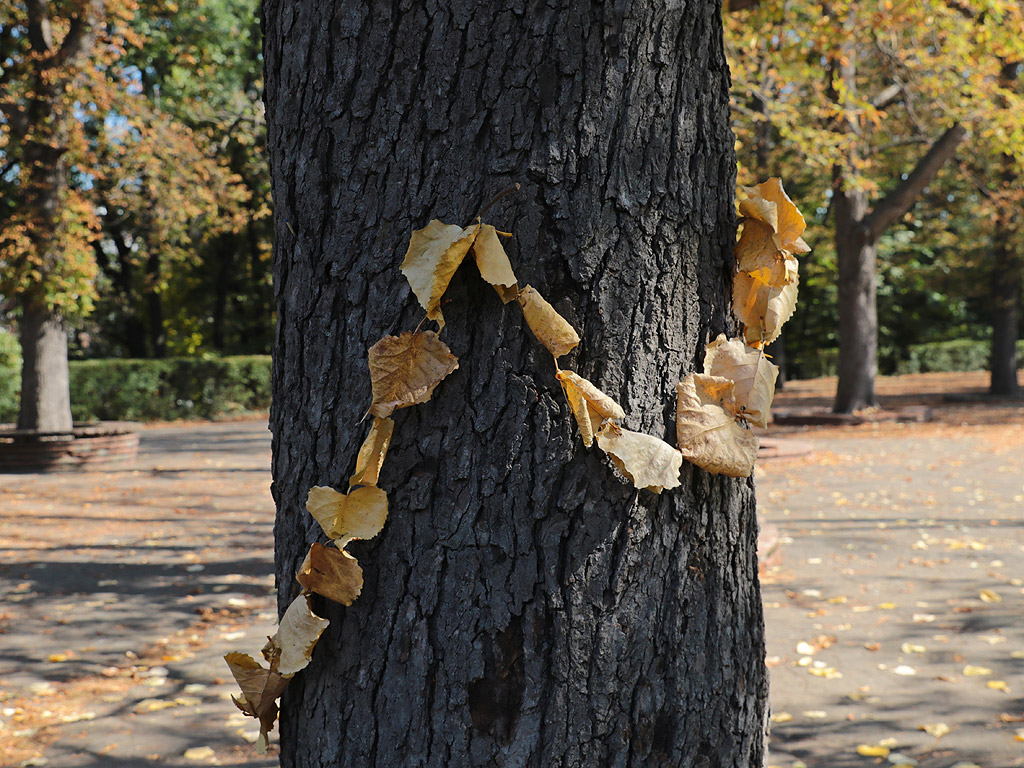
[[10, 376], [173, 388], [939, 356]]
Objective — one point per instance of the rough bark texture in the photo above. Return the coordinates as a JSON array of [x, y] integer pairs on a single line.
[[523, 607], [858, 312], [45, 403]]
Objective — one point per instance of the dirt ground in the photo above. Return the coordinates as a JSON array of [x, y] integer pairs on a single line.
[[893, 608]]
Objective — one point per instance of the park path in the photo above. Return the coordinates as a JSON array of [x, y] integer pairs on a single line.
[[122, 592], [895, 602]]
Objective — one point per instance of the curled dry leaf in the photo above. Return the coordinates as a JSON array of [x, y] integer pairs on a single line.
[[331, 572], [296, 637], [589, 404], [769, 204], [493, 263], [762, 307], [405, 370], [435, 253], [372, 453], [756, 253], [708, 433], [260, 689], [648, 462], [753, 375], [359, 514], [551, 329]]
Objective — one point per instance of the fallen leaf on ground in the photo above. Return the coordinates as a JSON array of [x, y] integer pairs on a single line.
[[707, 431], [904, 670], [866, 750], [372, 453], [989, 596], [975, 671], [331, 572], [405, 370], [296, 636], [493, 263], [551, 329], [998, 685], [359, 514], [937, 730], [199, 753], [648, 462], [435, 253], [781, 717]]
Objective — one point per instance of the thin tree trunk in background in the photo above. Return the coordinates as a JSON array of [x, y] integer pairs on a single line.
[[858, 314], [1006, 300], [155, 306], [45, 401], [523, 606]]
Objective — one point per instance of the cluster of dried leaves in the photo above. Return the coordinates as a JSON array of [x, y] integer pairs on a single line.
[[737, 386]]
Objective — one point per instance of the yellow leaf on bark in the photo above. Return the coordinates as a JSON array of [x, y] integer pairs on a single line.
[[762, 307], [405, 370], [753, 375], [435, 253], [708, 433], [648, 462], [260, 690], [359, 514], [296, 637], [589, 404], [372, 453], [551, 329], [493, 263], [769, 203], [331, 572]]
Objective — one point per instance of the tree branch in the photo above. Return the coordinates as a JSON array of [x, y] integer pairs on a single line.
[[886, 96], [81, 35], [40, 35], [740, 5], [902, 199]]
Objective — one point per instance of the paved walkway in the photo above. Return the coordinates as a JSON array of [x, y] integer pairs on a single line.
[[123, 590], [896, 606]]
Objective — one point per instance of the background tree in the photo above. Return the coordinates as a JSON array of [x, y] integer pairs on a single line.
[[853, 93], [522, 606]]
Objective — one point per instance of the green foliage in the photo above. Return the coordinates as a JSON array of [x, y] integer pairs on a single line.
[[10, 375], [962, 355], [149, 390], [173, 388]]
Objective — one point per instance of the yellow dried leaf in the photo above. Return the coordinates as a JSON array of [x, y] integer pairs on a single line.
[[781, 717], [405, 370], [648, 462], [331, 572], [866, 750], [372, 453], [707, 431], [589, 404], [493, 263], [769, 203], [296, 637], [989, 596], [998, 685], [972, 671], [359, 514], [937, 730], [435, 253], [756, 252], [260, 690], [551, 329], [753, 375], [762, 307]]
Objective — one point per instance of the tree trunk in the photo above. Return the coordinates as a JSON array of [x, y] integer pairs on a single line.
[[155, 306], [523, 606], [858, 314], [1006, 301], [45, 398]]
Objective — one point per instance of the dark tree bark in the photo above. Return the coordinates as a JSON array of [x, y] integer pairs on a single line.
[[522, 607], [45, 405], [1006, 302]]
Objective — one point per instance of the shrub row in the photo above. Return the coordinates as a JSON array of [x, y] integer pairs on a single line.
[[148, 390], [939, 356]]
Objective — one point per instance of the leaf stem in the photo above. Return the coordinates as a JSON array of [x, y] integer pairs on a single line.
[[507, 191]]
